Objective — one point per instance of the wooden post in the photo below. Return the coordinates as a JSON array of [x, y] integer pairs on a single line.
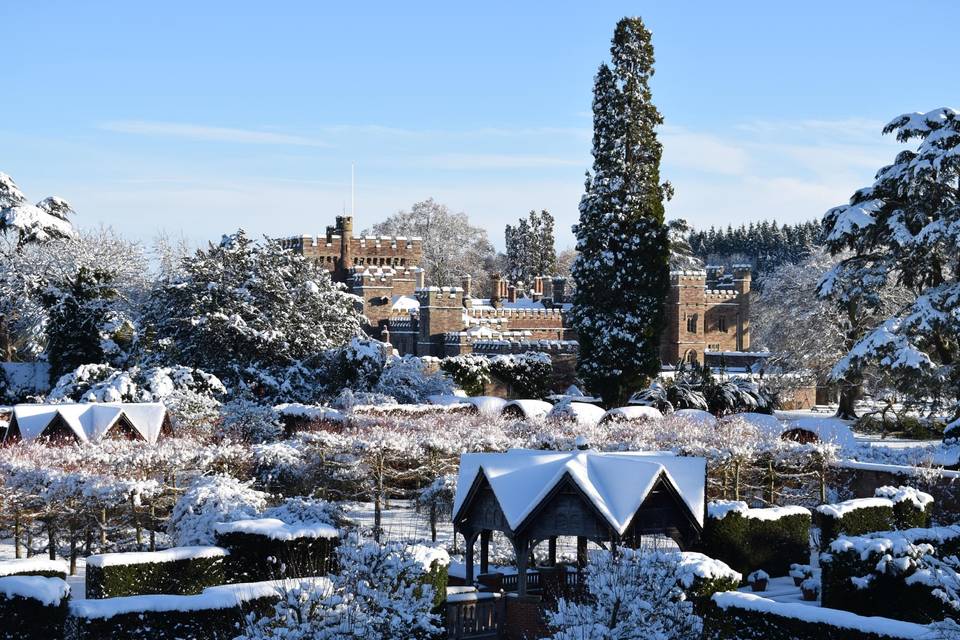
[[522, 552], [581, 552], [552, 550], [469, 557], [485, 551]]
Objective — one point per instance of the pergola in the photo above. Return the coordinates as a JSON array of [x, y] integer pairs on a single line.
[[88, 422], [610, 498]]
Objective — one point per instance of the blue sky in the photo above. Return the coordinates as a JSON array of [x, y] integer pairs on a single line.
[[203, 117]]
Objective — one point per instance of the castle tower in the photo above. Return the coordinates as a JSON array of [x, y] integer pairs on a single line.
[[441, 312], [345, 227], [741, 284], [685, 310]]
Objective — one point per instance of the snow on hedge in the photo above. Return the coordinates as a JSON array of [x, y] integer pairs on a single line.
[[697, 417], [426, 555], [49, 591], [308, 412], [695, 565], [174, 554], [848, 506], [918, 498], [580, 413], [277, 529], [530, 409], [634, 412], [719, 509], [36, 564], [884, 627]]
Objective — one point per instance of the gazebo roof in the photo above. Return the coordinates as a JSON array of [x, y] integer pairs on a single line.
[[90, 422], [616, 483]]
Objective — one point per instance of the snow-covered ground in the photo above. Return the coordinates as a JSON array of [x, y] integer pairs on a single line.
[[76, 582]]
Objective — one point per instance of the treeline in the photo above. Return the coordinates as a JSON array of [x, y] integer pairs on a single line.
[[765, 245]]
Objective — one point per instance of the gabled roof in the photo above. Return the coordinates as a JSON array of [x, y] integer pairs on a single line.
[[90, 422], [616, 483]]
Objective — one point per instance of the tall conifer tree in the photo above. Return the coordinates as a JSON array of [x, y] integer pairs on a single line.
[[621, 272]]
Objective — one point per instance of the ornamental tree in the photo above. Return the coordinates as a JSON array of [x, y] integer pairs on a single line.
[[621, 271], [905, 228]]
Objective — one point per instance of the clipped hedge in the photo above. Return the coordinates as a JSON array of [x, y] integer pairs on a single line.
[[32, 607], [34, 567], [750, 539], [268, 549], [702, 576], [893, 508], [851, 580], [176, 571], [742, 616], [438, 577], [218, 613]]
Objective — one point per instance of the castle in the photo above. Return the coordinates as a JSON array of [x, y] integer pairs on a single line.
[[707, 312]]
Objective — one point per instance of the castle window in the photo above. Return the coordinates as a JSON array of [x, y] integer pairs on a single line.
[[722, 324], [692, 323]]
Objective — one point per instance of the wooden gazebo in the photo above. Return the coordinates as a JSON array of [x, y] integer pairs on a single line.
[[607, 498]]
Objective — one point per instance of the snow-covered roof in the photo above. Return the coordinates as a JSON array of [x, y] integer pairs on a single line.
[[531, 409], [580, 413], [90, 422], [616, 483], [405, 304]]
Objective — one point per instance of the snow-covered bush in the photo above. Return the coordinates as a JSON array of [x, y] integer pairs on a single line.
[[103, 383], [247, 420], [302, 510], [356, 365], [469, 371], [527, 374], [631, 594], [407, 380], [379, 593], [209, 500]]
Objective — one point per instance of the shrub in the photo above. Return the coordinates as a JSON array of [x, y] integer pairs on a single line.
[[215, 614], [702, 576], [408, 381], [889, 576], [527, 374], [469, 371], [36, 566], [757, 539], [741, 616], [891, 508], [180, 571], [209, 500], [32, 607]]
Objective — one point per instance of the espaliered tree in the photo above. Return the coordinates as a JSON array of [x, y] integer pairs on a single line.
[[621, 272]]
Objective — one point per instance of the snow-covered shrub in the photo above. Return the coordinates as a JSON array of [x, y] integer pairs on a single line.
[[527, 374], [303, 510], [890, 576], [407, 380], [209, 500], [892, 508], [103, 383], [469, 371], [379, 593], [180, 570], [248, 420], [756, 539], [951, 433], [633, 594], [194, 414], [357, 365], [347, 399]]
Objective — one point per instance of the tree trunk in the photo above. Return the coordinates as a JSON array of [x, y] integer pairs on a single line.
[[849, 394], [17, 534], [433, 522], [73, 551], [51, 540]]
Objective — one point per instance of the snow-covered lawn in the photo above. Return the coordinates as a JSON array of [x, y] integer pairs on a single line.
[[783, 590]]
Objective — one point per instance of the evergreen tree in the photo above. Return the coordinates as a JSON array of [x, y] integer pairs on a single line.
[[531, 247], [78, 312], [621, 272]]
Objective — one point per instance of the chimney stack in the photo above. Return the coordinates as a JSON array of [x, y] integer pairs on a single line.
[[512, 293], [465, 281], [559, 293]]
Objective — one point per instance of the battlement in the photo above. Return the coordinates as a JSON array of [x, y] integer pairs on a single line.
[[523, 312]]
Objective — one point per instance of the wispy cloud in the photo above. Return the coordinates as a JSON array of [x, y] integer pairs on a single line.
[[482, 161], [206, 133]]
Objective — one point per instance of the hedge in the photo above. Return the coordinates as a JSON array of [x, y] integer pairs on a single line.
[[438, 577], [176, 571], [36, 566], [750, 539], [218, 613], [32, 607], [850, 580], [893, 508], [702, 576], [744, 616], [268, 549]]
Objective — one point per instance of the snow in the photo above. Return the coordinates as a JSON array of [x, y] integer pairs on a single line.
[[24, 378], [308, 412], [828, 429], [32, 565], [49, 591], [580, 413], [616, 483], [697, 565], [884, 627], [635, 412], [487, 405], [405, 304], [531, 409], [720, 508], [697, 416], [918, 498], [174, 554], [843, 508], [277, 529], [426, 555]]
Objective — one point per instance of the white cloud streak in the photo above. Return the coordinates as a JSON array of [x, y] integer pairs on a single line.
[[206, 133]]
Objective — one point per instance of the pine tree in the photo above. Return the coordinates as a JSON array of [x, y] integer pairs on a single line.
[[622, 272]]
